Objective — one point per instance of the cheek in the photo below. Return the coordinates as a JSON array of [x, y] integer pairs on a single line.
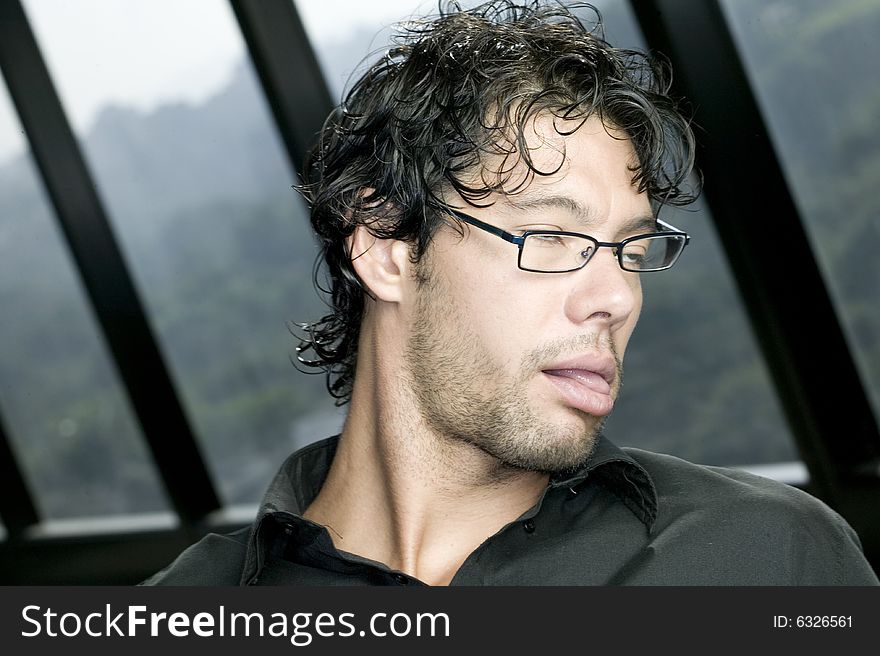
[[498, 315]]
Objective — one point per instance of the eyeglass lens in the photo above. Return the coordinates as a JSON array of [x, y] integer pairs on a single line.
[[553, 253]]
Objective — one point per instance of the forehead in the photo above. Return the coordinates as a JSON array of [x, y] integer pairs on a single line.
[[550, 141], [583, 167]]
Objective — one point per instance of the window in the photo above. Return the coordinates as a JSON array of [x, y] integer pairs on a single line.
[[186, 158], [695, 384], [813, 67], [68, 419], [343, 32]]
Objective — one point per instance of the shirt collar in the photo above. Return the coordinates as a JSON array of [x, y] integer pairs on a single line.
[[303, 473], [619, 472]]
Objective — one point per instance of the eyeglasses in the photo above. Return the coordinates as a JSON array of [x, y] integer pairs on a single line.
[[555, 251]]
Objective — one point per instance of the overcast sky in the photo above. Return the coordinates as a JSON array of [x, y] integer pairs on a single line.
[[143, 53]]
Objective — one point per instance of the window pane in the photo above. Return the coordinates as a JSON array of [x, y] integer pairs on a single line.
[[68, 419], [187, 160], [814, 68], [343, 32], [696, 385]]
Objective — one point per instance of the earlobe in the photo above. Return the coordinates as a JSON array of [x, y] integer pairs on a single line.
[[381, 264]]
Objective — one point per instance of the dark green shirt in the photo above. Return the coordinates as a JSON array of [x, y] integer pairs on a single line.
[[627, 517]]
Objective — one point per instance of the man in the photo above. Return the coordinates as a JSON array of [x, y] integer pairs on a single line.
[[486, 201]]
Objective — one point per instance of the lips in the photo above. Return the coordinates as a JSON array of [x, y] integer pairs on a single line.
[[585, 384]]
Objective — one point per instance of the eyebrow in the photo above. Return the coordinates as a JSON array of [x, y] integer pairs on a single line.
[[586, 216]]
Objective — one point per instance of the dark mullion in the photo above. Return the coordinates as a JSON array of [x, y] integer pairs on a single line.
[[107, 282], [291, 78], [759, 226], [17, 507]]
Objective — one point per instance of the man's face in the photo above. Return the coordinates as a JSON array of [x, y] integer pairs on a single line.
[[526, 365]]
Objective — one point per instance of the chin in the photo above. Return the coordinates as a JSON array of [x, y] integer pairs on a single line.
[[576, 423], [555, 448]]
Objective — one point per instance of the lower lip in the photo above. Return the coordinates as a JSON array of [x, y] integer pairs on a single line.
[[587, 393]]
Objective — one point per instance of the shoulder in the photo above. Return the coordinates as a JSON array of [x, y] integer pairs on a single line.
[[753, 521], [683, 485], [214, 560]]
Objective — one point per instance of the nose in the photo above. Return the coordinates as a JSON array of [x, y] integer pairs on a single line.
[[603, 293]]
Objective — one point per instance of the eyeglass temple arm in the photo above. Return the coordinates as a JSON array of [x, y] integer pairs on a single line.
[[506, 236], [668, 227]]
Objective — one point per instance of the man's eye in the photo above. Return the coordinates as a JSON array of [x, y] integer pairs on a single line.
[[547, 240], [634, 254]]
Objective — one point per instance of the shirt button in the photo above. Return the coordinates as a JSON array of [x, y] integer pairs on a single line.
[[529, 526], [401, 579]]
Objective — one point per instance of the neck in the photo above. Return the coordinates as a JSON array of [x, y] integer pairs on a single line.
[[401, 494]]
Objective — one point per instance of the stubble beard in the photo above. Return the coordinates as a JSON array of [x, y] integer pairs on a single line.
[[463, 395]]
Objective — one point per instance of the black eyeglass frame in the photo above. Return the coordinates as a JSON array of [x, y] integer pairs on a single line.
[[519, 241]]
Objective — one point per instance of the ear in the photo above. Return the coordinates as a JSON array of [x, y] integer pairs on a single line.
[[381, 264]]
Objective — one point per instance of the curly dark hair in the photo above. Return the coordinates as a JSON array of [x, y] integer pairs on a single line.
[[451, 95]]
